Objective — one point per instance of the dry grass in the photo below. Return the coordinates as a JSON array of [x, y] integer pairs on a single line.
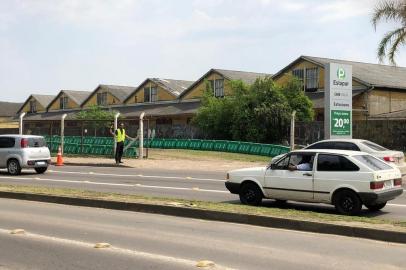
[[224, 207]]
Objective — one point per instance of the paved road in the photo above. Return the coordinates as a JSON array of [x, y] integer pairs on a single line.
[[62, 237], [199, 185]]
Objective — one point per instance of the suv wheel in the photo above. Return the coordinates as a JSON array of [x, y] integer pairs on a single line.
[[376, 207], [347, 202], [41, 169], [250, 194], [13, 167]]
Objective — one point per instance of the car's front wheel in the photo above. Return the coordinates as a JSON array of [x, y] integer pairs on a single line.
[[376, 207], [13, 167], [41, 169], [250, 194], [347, 202]]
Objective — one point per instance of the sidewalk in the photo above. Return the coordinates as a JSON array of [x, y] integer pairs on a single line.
[[168, 163]]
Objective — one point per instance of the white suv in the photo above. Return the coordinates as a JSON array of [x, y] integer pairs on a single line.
[[346, 179], [24, 151]]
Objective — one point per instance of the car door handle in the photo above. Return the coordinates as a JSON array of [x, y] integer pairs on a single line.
[[307, 174]]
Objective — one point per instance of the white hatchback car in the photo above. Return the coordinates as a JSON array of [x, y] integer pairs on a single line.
[[396, 158], [24, 151], [346, 179]]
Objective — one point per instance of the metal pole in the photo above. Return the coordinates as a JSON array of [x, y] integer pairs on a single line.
[[62, 131], [292, 131], [20, 130], [141, 154], [115, 128]]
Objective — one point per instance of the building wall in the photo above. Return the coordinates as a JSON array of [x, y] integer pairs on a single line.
[[386, 101], [7, 122], [199, 89], [56, 105], [26, 107], [111, 100], [138, 97]]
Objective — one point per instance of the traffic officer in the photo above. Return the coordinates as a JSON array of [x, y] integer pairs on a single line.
[[120, 139]]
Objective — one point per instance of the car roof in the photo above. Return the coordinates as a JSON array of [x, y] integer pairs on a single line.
[[331, 151], [341, 140]]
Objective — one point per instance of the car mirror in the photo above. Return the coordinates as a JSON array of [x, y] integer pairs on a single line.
[[272, 166]]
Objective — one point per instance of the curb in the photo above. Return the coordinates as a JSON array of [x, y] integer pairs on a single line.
[[107, 165], [273, 222]]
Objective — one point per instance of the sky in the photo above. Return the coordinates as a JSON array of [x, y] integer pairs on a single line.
[[52, 45]]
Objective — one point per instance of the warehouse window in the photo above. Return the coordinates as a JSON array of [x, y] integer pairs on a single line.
[[146, 95], [217, 86], [63, 103], [102, 99], [312, 79], [298, 73], [33, 106]]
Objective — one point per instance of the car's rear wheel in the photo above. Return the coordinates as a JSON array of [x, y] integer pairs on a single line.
[[13, 167], [375, 207], [250, 194], [41, 169], [347, 202]]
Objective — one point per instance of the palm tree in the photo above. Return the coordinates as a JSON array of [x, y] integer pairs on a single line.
[[391, 10]]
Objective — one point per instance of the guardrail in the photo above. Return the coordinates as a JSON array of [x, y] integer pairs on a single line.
[[104, 146]]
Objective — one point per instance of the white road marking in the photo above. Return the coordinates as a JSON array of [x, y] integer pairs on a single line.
[[112, 184], [131, 252], [396, 204], [140, 175]]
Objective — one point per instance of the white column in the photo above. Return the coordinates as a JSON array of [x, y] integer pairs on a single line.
[[292, 131], [141, 125], [62, 131], [115, 128], [20, 130]]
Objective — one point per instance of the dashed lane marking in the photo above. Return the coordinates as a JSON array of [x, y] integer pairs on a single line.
[[140, 175], [112, 184], [113, 249]]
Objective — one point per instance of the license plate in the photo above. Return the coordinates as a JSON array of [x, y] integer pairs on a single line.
[[41, 163], [388, 184]]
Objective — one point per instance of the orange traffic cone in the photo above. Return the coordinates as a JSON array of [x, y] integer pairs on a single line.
[[59, 159]]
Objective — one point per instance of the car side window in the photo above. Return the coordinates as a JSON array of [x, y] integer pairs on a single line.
[[282, 164], [346, 146], [7, 142], [335, 163], [321, 145]]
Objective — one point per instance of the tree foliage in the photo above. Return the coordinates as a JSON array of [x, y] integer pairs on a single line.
[[96, 117], [391, 10], [259, 113]]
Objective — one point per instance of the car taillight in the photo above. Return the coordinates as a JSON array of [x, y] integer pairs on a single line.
[[389, 159], [376, 185], [24, 143], [397, 182]]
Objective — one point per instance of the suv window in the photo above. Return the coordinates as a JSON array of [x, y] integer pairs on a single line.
[[7, 142], [36, 142], [335, 163]]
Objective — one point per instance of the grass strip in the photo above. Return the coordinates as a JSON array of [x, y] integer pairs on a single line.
[[355, 221]]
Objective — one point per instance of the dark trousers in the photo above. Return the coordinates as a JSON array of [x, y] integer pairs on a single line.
[[119, 151]]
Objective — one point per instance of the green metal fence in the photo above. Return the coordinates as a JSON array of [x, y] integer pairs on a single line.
[[105, 146]]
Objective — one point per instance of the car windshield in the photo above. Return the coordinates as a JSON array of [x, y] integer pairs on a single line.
[[373, 162], [374, 146]]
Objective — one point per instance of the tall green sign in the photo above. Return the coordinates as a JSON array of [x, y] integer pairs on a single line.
[[338, 101]]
